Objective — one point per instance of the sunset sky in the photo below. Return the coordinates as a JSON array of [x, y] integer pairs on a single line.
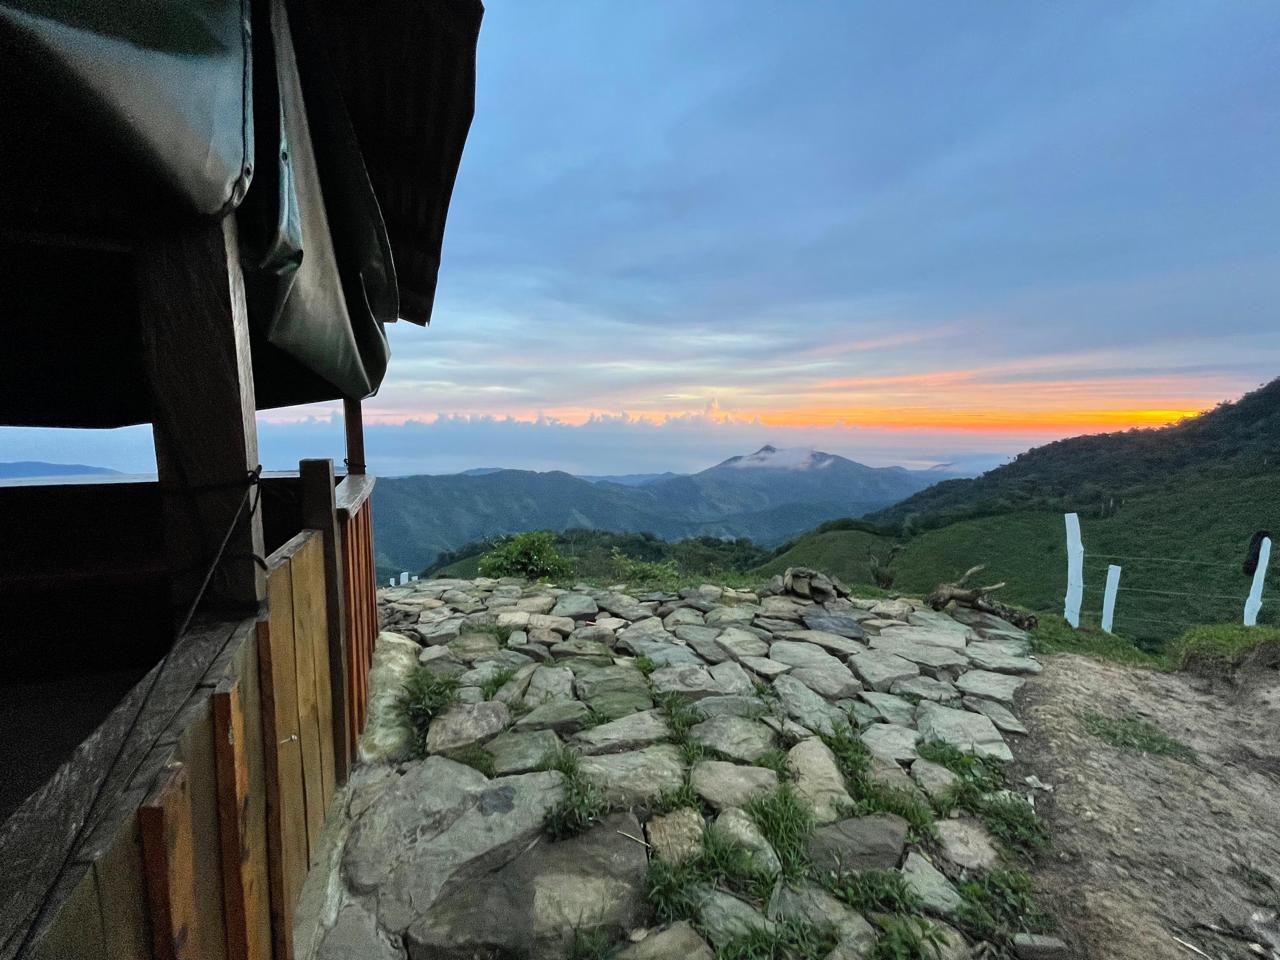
[[908, 233]]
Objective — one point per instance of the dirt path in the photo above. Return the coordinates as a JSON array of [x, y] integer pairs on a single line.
[[1149, 848]]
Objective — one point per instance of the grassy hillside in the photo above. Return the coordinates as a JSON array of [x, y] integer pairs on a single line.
[[1199, 518], [1101, 474]]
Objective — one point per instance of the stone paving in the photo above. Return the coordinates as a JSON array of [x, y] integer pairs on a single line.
[[436, 859]]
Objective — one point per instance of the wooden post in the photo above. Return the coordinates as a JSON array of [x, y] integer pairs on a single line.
[[354, 422], [1254, 603], [1109, 599], [1075, 572], [195, 347], [319, 512]]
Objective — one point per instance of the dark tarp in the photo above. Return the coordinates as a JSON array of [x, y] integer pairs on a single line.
[[125, 116]]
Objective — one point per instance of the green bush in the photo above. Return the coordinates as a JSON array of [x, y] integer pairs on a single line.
[[630, 570], [530, 555]]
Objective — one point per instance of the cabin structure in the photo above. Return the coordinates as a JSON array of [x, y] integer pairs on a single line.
[[208, 208]]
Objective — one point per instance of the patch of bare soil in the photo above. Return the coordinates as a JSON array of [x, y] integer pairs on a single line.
[[1149, 850]]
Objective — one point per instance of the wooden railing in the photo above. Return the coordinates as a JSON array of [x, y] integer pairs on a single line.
[[186, 825], [355, 520]]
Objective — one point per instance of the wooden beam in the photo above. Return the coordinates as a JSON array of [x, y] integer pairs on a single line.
[[195, 345], [319, 512], [354, 421]]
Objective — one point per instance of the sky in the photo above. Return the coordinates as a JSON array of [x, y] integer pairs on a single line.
[[906, 233]]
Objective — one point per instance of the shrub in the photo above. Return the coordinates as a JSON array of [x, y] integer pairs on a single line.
[[530, 555], [642, 571], [424, 696]]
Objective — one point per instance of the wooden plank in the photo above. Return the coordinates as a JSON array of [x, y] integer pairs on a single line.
[[286, 820], [196, 753], [195, 346], [352, 492], [244, 865], [320, 513], [307, 581], [40, 835], [164, 820]]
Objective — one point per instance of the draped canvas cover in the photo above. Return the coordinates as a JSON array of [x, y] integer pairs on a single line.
[[332, 130]]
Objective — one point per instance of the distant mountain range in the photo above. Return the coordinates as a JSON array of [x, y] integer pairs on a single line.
[[767, 496], [31, 469]]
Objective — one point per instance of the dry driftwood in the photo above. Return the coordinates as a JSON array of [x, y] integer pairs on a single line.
[[977, 598]]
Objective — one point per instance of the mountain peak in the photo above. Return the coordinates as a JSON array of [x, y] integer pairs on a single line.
[[785, 458]]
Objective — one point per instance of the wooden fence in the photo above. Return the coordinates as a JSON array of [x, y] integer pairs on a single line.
[[212, 813]]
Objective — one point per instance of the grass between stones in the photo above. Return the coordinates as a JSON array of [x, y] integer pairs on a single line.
[[681, 718], [583, 803], [1131, 732], [999, 904], [591, 944], [497, 682], [676, 890], [873, 891], [906, 938], [854, 762], [476, 757], [786, 939], [786, 821], [778, 762], [425, 695]]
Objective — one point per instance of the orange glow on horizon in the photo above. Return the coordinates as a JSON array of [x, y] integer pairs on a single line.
[[895, 419]]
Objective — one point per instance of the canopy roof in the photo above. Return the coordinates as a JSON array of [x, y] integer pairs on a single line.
[[332, 130]]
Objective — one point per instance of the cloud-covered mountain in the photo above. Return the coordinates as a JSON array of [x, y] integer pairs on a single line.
[[768, 495]]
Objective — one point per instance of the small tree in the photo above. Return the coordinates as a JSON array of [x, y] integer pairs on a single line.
[[881, 576], [530, 555]]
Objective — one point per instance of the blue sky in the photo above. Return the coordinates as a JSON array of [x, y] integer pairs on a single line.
[[901, 232]]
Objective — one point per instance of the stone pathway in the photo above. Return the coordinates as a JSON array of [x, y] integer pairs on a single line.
[[682, 727]]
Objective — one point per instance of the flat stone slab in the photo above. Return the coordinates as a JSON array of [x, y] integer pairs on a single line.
[[531, 906], [924, 654], [891, 708], [732, 679], [582, 648], [728, 616], [463, 825], [561, 625], [636, 777], [934, 890], [575, 606], [890, 741], [951, 639], [682, 617], [564, 716], [967, 844], [692, 683], [997, 713], [737, 738], [966, 731], [628, 733], [676, 836], [799, 653], [807, 708], [834, 684], [732, 705], [880, 670], [833, 643], [470, 647], [739, 643], [725, 785], [925, 688], [702, 640], [808, 902], [933, 778], [988, 685], [839, 625], [725, 918], [678, 942], [818, 779], [873, 842], [356, 933], [518, 752], [764, 667], [465, 724], [386, 738], [992, 656], [549, 685]]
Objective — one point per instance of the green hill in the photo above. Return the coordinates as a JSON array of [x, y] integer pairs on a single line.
[[1100, 474]]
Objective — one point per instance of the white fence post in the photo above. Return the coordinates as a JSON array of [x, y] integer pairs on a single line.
[[392, 581], [1109, 599], [404, 578], [1075, 572], [1254, 603]]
